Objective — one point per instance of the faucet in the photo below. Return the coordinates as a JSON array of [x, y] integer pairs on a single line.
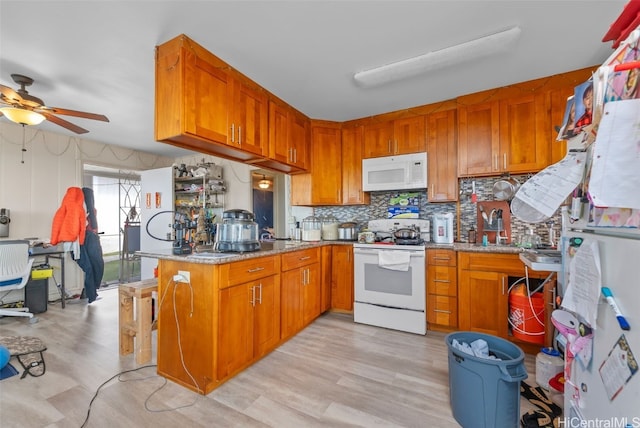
[[501, 239], [493, 211]]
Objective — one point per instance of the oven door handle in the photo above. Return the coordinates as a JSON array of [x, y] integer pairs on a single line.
[[374, 252]]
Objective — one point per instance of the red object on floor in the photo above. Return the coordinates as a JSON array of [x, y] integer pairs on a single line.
[[557, 382], [525, 324]]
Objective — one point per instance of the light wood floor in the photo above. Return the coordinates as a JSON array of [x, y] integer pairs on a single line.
[[334, 373]]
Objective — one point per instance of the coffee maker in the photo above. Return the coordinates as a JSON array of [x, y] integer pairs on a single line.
[[5, 219]]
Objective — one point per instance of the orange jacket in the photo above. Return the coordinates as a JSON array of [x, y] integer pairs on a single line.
[[70, 221]]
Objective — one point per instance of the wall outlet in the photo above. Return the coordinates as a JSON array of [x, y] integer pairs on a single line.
[[183, 276]]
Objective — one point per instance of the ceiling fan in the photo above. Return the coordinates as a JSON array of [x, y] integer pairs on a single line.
[[25, 109]]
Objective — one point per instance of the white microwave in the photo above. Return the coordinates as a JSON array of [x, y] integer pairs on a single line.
[[402, 172]]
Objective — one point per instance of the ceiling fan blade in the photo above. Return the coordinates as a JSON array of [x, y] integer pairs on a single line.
[[76, 113], [70, 126], [9, 95]]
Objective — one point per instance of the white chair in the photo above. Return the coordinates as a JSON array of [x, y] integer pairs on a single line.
[[15, 268]]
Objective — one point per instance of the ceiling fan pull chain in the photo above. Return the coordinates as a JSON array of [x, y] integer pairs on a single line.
[[23, 148]]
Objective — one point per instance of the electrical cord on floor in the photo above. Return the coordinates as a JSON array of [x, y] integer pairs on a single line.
[[146, 401]]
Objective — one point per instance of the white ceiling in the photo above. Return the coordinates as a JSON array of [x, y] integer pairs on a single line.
[[98, 56]]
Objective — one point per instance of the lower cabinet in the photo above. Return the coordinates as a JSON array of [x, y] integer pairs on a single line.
[[250, 316], [483, 295], [342, 278], [301, 293], [442, 290]]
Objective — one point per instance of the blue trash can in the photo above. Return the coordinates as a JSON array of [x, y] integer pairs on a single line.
[[485, 393]]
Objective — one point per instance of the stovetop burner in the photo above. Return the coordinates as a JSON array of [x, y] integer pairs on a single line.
[[407, 241]]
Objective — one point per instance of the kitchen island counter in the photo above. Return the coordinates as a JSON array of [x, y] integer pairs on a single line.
[[268, 248]]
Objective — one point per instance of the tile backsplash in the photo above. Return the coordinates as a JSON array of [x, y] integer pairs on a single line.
[[467, 215]]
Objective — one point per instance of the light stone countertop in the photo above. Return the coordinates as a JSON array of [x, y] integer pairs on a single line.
[[280, 247]]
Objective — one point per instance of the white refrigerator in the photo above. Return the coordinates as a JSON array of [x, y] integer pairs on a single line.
[[156, 215], [602, 383]]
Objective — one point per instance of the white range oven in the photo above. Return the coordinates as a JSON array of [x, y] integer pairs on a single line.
[[390, 279]]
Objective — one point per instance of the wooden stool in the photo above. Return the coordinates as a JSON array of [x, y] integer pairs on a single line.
[[141, 327]]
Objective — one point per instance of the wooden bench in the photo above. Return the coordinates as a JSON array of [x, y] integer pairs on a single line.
[[142, 325]]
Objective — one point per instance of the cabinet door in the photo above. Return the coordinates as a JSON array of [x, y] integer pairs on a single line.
[[483, 302], [325, 277], [352, 152], [326, 177], [442, 156], [378, 139], [208, 97], [266, 331], [442, 311], [250, 120], [311, 293], [279, 132], [235, 340], [409, 135], [299, 129], [342, 278], [291, 303], [525, 134], [478, 139]]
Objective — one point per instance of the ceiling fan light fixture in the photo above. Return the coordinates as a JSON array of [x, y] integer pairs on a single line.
[[22, 116], [447, 57], [264, 183]]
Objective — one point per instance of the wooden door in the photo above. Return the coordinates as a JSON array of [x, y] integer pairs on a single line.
[[250, 120], [483, 302], [235, 339], [342, 278], [326, 176], [279, 133], [442, 157], [266, 327], [525, 134], [325, 277], [291, 303], [478, 139], [299, 130], [409, 135], [378, 139], [352, 152], [311, 293], [208, 97]]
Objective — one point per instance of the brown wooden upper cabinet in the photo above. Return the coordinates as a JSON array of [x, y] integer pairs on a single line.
[[335, 176], [395, 137], [511, 135], [202, 105], [288, 136], [442, 180]]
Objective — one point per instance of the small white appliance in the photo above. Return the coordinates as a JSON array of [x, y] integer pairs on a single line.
[[401, 172], [442, 228]]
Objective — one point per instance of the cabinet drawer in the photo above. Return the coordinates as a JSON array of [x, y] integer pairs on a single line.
[[442, 280], [300, 258], [442, 310], [441, 257], [248, 270]]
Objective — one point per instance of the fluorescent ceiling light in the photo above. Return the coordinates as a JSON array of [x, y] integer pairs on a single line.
[[22, 115], [454, 55]]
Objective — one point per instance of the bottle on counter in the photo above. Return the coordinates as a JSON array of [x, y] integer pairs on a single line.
[[472, 236], [485, 240]]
